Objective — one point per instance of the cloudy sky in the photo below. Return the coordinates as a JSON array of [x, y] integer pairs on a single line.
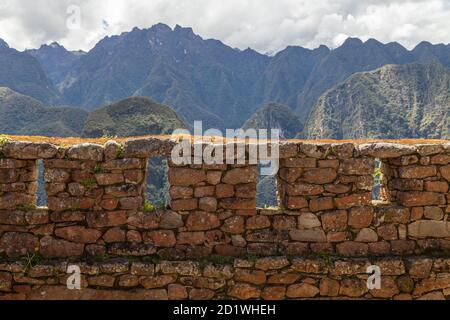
[[267, 26]]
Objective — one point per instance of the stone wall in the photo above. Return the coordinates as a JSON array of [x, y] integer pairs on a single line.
[[327, 219], [18, 183], [269, 278]]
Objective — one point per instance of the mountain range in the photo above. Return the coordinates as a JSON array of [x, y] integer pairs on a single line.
[[204, 79]]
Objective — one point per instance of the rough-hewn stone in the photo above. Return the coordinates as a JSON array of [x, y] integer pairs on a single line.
[[429, 228]]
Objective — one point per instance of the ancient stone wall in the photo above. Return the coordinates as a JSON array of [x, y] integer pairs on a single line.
[[212, 241]]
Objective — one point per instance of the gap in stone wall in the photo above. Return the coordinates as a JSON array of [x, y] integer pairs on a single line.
[[157, 190], [377, 180], [41, 193], [381, 176], [266, 190]]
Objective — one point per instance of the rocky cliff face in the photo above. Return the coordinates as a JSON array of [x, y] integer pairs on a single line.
[[56, 60], [23, 73], [197, 77], [410, 100]]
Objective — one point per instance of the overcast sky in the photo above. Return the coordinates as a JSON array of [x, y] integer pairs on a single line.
[[264, 25]]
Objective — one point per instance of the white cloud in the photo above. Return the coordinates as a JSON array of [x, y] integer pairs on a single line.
[[267, 26]]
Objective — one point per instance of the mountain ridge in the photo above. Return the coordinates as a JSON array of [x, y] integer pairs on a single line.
[[24, 74], [24, 115], [204, 79]]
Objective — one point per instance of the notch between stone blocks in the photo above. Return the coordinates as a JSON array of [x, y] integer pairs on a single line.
[[266, 188], [380, 188], [156, 193]]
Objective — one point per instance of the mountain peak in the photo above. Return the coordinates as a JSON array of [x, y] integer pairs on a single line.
[[423, 45], [54, 45], [161, 27], [373, 41], [180, 29], [3, 44], [323, 47], [352, 42], [296, 48], [250, 51]]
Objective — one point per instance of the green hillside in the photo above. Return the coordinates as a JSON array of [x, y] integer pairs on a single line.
[[24, 115], [407, 101], [134, 116], [275, 116]]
